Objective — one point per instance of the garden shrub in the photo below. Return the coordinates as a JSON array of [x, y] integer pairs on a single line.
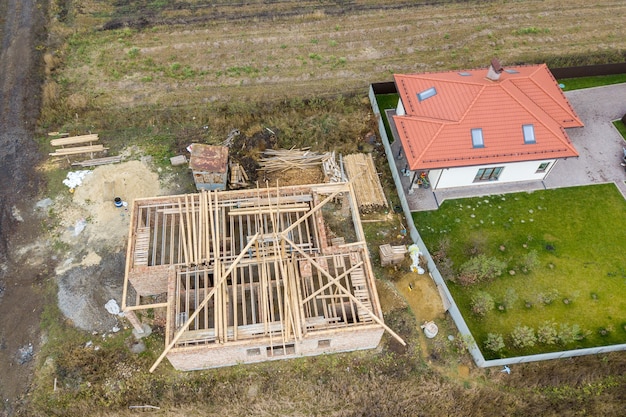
[[481, 303], [476, 245], [529, 262], [494, 342], [441, 259], [570, 333], [480, 268], [523, 336], [548, 297], [510, 298], [547, 333]]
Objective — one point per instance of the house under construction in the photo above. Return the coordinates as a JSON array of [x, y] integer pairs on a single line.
[[253, 275]]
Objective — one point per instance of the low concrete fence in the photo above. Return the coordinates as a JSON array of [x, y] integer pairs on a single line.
[[453, 310]]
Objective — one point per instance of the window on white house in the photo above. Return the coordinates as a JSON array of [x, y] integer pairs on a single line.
[[477, 138], [543, 167], [427, 94], [488, 174], [529, 134]]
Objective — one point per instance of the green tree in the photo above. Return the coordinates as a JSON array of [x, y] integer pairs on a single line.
[[494, 342]]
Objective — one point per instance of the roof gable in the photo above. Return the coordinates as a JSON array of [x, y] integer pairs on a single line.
[[436, 132]]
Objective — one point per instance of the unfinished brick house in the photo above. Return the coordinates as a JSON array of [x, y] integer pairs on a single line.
[[253, 275]]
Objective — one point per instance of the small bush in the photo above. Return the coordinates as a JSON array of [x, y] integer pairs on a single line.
[[570, 333], [529, 262], [494, 342], [479, 269], [547, 333], [548, 297], [523, 336], [476, 245], [509, 298], [481, 303], [444, 263]]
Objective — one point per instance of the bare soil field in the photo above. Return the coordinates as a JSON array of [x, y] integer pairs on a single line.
[[158, 75], [194, 53]]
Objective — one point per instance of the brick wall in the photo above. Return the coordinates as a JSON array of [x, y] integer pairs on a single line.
[[251, 351]]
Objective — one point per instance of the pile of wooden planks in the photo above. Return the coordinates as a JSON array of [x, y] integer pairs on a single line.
[[67, 146], [332, 171], [367, 188], [99, 161], [237, 177], [392, 255], [280, 160]]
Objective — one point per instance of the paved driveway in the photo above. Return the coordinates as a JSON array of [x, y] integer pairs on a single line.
[[598, 143]]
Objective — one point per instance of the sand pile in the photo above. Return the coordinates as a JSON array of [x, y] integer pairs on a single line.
[[92, 214]]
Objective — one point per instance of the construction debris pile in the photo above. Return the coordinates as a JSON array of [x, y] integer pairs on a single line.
[[278, 160]]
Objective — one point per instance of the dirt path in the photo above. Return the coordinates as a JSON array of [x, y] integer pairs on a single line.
[[22, 268]]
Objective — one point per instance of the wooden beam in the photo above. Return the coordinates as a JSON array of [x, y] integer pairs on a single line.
[[202, 305], [348, 293], [309, 213]]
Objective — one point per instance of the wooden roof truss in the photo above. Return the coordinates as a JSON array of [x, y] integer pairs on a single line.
[[253, 264]]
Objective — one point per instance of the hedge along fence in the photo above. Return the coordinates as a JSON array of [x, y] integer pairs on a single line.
[[447, 299]]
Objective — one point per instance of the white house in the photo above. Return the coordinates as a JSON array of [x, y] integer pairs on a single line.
[[473, 127]]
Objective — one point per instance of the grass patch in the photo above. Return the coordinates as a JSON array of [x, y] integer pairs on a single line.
[[587, 82], [621, 128], [578, 277], [387, 101]]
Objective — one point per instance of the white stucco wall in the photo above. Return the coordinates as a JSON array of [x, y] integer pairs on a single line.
[[400, 109], [464, 176]]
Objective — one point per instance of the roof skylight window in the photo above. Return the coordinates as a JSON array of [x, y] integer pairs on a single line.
[[427, 94], [465, 74], [477, 138], [511, 71], [529, 134]]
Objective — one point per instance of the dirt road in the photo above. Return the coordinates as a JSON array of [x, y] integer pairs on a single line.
[[20, 304]]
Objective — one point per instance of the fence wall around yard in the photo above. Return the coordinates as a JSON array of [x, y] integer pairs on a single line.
[[447, 299]]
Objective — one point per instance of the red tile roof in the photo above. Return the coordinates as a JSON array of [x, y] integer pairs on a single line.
[[436, 131]]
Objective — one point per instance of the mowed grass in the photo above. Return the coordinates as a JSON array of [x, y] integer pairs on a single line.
[[587, 82], [579, 235], [621, 128]]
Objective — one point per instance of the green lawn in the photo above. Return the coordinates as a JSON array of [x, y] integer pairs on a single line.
[[579, 237], [621, 128], [387, 101], [586, 82]]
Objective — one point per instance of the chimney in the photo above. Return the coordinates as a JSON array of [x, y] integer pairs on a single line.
[[495, 69]]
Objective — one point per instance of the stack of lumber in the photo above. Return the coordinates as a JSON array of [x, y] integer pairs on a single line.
[[99, 161], [392, 255], [332, 171], [280, 160], [237, 177], [367, 188], [68, 145]]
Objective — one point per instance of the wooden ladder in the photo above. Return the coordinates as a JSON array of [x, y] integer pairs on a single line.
[[142, 244]]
